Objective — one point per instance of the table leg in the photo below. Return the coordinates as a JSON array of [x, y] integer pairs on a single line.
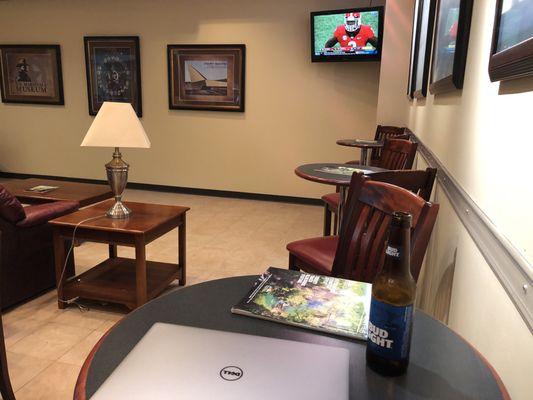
[[112, 251], [181, 252], [364, 152], [59, 259], [340, 211], [140, 271]]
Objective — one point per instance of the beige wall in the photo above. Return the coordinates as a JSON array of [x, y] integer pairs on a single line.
[[295, 110], [482, 135]]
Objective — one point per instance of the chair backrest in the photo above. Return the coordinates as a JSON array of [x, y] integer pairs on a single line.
[[361, 248], [417, 181], [398, 154], [385, 132]]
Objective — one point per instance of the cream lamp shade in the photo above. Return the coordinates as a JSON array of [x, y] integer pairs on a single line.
[[116, 125]]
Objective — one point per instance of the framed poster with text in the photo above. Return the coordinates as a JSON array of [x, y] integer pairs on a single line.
[[113, 66], [206, 77], [31, 74]]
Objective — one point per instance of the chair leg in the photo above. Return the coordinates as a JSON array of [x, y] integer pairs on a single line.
[[336, 224], [292, 263], [327, 220], [5, 385]]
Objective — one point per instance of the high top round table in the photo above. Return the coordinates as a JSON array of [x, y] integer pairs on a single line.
[[364, 145], [336, 174], [443, 365]]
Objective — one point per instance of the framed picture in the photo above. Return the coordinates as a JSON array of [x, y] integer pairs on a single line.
[[113, 65], [512, 40], [450, 45], [423, 22], [206, 77], [31, 74]]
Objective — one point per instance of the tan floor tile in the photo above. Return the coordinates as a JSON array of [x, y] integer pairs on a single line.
[[225, 237], [24, 368], [16, 330], [54, 383], [79, 352], [50, 341]]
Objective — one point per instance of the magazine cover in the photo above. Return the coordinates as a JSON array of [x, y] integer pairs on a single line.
[[323, 303]]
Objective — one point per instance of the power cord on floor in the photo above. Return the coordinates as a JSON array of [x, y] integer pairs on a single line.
[[81, 307]]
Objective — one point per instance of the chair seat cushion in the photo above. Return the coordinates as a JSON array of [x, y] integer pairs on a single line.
[[10, 208], [317, 253], [332, 200], [42, 213]]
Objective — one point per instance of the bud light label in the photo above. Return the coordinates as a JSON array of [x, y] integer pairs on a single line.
[[393, 251], [389, 330]]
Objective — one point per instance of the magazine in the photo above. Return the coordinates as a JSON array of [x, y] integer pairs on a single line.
[[332, 305], [340, 170], [42, 188]]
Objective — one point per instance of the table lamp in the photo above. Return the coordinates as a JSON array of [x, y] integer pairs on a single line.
[[116, 125]]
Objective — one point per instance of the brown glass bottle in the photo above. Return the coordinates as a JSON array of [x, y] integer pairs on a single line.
[[391, 311]]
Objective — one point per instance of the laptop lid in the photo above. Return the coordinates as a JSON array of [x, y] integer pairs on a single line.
[[186, 363]]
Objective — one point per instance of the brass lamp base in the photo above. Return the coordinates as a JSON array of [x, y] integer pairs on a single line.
[[119, 210], [117, 176]]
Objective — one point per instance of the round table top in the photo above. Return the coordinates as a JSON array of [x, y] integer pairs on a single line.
[[332, 173], [364, 144], [442, 365]]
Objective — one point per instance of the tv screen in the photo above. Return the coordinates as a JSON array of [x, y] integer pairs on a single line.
[[353, 34]]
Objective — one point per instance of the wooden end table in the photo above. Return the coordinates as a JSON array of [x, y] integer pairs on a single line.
[[131, 282]]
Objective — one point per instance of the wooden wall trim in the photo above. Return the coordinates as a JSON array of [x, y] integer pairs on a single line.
[[511, 268]]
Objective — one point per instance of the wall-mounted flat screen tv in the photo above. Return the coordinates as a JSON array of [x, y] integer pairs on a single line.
[[353, 34]]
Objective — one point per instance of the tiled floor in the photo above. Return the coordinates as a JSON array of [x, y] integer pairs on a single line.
[[225, 237]]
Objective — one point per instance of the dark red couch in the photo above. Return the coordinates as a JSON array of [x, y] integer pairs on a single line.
[[27, 257]]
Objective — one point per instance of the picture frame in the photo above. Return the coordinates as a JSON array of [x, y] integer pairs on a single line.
[[206, 77], [113, 69], [511, 53], [450, 45], [31, 74], [423, 23]]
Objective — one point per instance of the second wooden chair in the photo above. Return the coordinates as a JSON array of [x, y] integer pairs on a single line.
[[358, 252]]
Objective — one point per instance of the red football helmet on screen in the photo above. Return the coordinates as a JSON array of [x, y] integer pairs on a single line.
[[352, 21]]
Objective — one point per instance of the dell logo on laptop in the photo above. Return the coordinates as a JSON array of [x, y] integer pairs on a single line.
[[231, 373]]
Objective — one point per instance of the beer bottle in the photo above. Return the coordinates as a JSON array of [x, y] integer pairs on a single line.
[[391, 310]]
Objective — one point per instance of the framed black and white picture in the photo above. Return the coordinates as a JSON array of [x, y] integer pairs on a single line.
[[31, 74], [450, 45], [423, 22], [512, 40], [113, 71], [206, 77]]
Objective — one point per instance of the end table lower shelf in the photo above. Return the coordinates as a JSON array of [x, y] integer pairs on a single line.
[[114, 280]]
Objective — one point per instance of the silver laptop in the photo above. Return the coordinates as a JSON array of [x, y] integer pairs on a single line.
[[180, 362]]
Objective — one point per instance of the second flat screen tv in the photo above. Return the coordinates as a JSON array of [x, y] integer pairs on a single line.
[[353, 34]]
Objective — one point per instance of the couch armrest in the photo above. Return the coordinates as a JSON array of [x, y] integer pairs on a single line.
[[42, 213]]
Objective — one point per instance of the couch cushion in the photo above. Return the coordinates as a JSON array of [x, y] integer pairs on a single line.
[[317, 253], [10, 208], [42, 213]]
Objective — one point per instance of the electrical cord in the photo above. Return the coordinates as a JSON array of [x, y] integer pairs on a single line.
[[82, 307]]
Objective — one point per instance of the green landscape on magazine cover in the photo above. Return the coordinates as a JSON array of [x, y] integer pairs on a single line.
[[325, 303]]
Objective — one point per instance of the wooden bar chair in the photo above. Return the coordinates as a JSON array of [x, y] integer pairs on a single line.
[[417, 181], [397, 154], [385, 132], [5, 384], [358, 252]]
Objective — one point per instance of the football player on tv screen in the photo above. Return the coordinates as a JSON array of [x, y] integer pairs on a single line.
[[352, 33]]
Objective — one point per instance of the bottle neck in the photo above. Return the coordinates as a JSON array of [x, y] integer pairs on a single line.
[[397, 251]]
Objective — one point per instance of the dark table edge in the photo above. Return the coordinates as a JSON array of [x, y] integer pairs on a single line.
[[80, 392]]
